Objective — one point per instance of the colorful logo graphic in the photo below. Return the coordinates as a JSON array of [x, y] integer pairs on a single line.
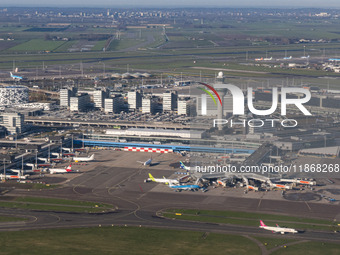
[[210, 94]]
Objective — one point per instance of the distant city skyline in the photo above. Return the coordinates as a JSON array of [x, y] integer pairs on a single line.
[[173, 3]]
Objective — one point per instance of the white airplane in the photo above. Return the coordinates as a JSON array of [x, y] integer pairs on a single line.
[[304, 57], [161, 180], [268, 59], [278, 229], [61, 170], [13, 176], [67, 149], [146, 163], [19, 171], [43, 159], [290, 57], [184, 166], [78, 159], [280, 186], [16, 77]]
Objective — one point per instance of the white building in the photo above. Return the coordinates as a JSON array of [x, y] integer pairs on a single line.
[[149, 105], [134, 99], [66, 94], [99, 97], [80, 103], [113, 105], [170, 101], [13, 122], [13, 95], [183, 107]]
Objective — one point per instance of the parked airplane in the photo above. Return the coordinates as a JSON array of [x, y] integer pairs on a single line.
[[268, 59], [63, 154], [78, 159], [258, 59], [304, 57], [67, 149], [280, 186], [43, 159], [38, 165], [290, 57], [20, 171], [251, 187], [13, 176], [278, 229], [161, 180], [146, 163], [179, 188], [16, 77], [61, 170], [184, 166]]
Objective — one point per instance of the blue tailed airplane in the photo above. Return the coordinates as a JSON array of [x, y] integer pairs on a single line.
[[16, 77], [192, 187]]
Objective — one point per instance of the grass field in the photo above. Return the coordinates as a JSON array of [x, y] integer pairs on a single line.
[[53, 204], [11, 219], [310, 248], [99, 45], [271, 243], [37, 45], [251, 219], [123, 240]]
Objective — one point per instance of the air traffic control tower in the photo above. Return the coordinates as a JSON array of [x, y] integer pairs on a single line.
[[221, 90]]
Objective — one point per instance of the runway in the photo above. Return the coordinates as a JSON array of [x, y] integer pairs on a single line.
[[52, 220]]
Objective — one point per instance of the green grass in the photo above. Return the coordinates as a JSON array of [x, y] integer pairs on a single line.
[[54, 204], [64, 47], [37, 45], [122, 240], [117, 45], [44, 186], [251, 219], [310, 248], [99, 45], [11, 219], [271, 243]]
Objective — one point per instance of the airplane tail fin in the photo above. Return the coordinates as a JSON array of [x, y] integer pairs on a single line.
[[92, 157], [277, 225], [151, 177], [11, 74], [182, 165], [68, 169], [262, 224]]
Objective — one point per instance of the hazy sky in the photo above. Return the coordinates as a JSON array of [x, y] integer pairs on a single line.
[[174, 3]]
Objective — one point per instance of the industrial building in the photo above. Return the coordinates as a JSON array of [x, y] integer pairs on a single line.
[[13, 95], [331, 152], [147, 132], [256, 128]]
